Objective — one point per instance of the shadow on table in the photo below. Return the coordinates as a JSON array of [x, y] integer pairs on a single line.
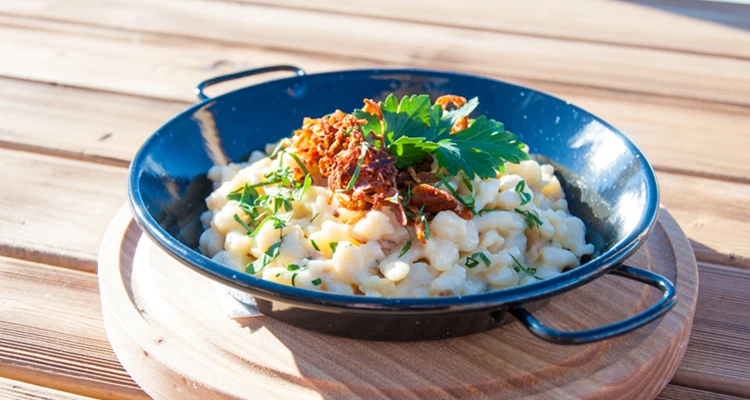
[[735, 14]]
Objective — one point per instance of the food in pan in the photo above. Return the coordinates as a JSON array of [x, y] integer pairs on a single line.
[[402, 198]]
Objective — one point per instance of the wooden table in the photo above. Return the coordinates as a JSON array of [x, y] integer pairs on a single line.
[[84, 82]]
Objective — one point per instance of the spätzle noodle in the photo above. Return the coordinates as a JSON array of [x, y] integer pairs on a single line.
[[522, 232]]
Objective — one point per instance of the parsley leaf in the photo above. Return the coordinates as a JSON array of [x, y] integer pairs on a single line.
[[409, 117], [316, 282], [372, 125], [479, 150], [413, 130], [410, 150]]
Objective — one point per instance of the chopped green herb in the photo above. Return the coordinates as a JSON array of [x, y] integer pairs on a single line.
[[357, 170], [531, 217], [241, 222], [468, 203], [471, 261], [294, 276], [408, 197], [278, 275], [485, 211], [276, 149], [467, 182], [484, 258], [406, 247], [426, 228], [525, 197], [333, 246], [314, 216], [423, 220], [316, 282], [306, 185], [292, 267], [314, 245], [529, 271], [299, 163], [265, 259]]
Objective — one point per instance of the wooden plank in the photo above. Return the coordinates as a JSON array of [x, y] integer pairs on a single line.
[[713, 214], [55, 315], [132, 62], [673, 133], [78, 123], [14, 390], [620, 23], [717, 357], [675, 392], [500, 54], [55, 210], [51, 332]]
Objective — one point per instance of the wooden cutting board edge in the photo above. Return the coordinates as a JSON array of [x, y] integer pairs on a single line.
[[145, 355]]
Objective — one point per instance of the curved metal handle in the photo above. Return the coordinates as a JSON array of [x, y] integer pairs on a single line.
[[223, 78], [667, 301]]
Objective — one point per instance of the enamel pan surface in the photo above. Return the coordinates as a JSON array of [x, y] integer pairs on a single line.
[[607, 181]]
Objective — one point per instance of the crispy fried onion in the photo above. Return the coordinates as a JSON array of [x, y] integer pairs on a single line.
[[342, 153], [457, 101], [336, 144]]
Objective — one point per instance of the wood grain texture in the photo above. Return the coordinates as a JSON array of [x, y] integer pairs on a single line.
[[79, 123], [713, 213], [51, 332], [74, 299], [134, 62], [14, 390], [585, 20], [172, 341], [55, 210], [675, 392], [718, 358], [499, 54]]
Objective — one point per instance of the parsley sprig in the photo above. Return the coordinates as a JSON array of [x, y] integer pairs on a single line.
[[413, 129]]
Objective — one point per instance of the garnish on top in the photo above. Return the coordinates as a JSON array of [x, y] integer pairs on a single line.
[[383, 155]]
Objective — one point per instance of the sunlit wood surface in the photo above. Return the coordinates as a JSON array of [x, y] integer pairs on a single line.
[[84, 82]]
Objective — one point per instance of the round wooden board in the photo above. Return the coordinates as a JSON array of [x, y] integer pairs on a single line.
[[168, 329]]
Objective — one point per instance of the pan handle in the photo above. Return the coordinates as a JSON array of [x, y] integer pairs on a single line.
[[668, 300], [228, 77]]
